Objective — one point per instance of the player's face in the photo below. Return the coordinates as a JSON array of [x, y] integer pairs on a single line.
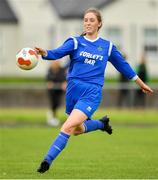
[[91, 23]]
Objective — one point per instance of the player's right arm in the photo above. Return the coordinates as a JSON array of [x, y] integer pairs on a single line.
[[65, 49], [40, 51]]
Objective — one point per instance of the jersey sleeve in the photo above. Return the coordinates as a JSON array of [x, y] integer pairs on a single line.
[[65, 49], [121, 64]]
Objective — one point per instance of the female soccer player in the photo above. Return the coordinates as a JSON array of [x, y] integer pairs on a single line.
[[89, 55]]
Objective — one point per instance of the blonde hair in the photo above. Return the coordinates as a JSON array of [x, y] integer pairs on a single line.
[[97, 14]]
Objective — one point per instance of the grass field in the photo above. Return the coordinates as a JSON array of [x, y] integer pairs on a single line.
[[130, 153], [13, 116]]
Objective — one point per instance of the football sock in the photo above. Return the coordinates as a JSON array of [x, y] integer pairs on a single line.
[[92, 125], [57, 146]]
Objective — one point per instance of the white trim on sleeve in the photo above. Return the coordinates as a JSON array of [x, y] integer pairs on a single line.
[[110, 49], [46, 54], [134, 78], [75, 42]]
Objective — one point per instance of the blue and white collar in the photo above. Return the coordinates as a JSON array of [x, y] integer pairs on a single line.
[[91, 39]]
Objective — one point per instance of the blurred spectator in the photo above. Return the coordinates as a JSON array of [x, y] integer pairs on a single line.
[[139, 99], [124, 93], [56, 85]]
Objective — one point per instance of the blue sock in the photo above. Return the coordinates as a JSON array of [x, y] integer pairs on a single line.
[[92, 125], [57, 146]]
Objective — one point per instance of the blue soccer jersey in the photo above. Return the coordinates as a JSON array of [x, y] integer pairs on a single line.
[[88, 59]]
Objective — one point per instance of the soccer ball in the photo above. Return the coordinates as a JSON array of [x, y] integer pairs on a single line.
[[27, 58]]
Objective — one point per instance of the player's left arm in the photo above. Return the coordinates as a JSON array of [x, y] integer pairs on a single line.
[[145, 88], [123, 67]]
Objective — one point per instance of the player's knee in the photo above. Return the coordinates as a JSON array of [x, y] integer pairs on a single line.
[[67, 129], [76, 133]]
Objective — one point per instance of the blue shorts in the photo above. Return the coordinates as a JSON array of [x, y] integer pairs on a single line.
[[83, 96]]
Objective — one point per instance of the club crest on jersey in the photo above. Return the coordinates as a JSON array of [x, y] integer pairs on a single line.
[[100, 48]]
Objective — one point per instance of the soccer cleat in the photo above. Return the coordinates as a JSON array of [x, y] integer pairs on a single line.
[[44, 166], [107, 127]]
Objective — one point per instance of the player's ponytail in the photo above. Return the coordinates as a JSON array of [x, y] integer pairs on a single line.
[[83, 33]]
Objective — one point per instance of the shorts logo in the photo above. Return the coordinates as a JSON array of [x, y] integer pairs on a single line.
[[89, 108]]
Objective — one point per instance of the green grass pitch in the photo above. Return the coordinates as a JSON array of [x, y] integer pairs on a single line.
[[130, 153]]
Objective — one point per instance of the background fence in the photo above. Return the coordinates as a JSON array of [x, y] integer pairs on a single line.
[[35, 95]]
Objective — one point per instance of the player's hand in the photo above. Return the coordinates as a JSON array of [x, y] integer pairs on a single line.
[[40, 51], [146, 89]]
